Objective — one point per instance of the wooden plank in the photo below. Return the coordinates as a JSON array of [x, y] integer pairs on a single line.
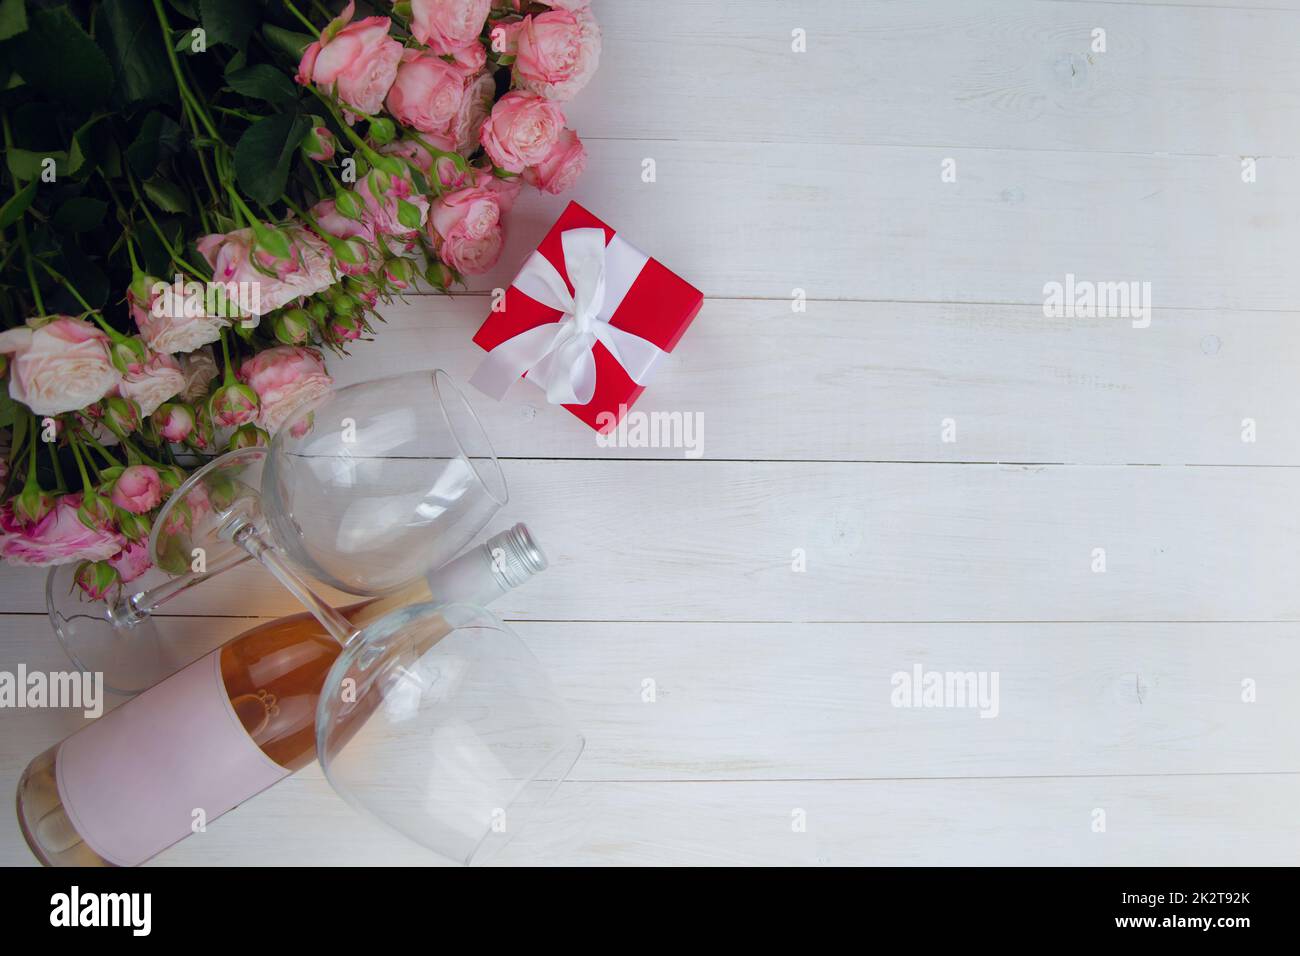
[[1171, 821], [875, 382], [760, 220], [676, 702], [716, 541], [743, 703], [952, 73]]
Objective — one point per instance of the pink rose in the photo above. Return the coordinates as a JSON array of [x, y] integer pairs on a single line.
[[286, 379], [521, 131], [475, 106], [165, 327], [358, 234], [58, 538], [58, 367], [174, 422], [466, 225], [561, 169], [556, 53], [427, 93], [357, 61], [151, 384], [199, 368], [384, 195], [137, 490], [132, 561], [470, 59], [306, 271], [448, 25]]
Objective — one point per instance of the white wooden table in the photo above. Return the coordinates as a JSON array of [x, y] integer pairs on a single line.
[[771, 736]]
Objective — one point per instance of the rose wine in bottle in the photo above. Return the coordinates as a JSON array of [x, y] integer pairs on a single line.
[[224, 728]]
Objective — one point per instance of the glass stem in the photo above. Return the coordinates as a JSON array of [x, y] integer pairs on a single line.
[[133, 609], [250, 539]]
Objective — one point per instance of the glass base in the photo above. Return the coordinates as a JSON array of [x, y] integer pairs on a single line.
[[131, 657]]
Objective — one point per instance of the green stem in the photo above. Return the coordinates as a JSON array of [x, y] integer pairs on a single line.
[[104, 452], [27, 261], [58, 469], [187, 94], [301, 19], [229, 378], [162, 237], [81, 465], [348, 131], [63, 281]]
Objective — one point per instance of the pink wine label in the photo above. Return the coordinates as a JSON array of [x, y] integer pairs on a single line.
[[152, 771]]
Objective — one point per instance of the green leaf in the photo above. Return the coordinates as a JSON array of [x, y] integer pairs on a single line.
[[80, 213], [9, 415], [228, 21], [57, 57], [158, 139], [77, 152], [263, 82], [128, 32], [13, 18], [27, 165], [166, 195], [264, 153], [17, 205], [286, 40], [408, 215]]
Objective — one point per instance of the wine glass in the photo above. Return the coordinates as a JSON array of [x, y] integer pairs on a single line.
[[438, 720], [366, 488]]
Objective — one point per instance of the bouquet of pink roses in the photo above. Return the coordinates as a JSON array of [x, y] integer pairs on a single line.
[[235, 196]]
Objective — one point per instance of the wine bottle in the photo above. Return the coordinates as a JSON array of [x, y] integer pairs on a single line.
[[220, 730]]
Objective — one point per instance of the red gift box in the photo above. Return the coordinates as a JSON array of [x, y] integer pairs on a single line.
[[657, 307]]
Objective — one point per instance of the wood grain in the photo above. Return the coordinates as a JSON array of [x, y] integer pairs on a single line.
[[875, 382], [716, 541], [952, 73], [759, 220]]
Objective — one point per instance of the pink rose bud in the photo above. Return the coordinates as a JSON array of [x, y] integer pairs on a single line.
[[319, 144], [32, 503], [233, 405], [348, 205], [344, 303], [399, 272], [345, 328], [137, 490], [135, 527], [201, 438], [132, 561], [121, 415], [98, 579], [382, 130], [247, 436], [172, 477], [292, 327], [174, 421], [96, 512], [129, 355], [439, 276]]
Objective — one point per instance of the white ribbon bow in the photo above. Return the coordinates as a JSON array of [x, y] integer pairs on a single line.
[[557, 355]]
